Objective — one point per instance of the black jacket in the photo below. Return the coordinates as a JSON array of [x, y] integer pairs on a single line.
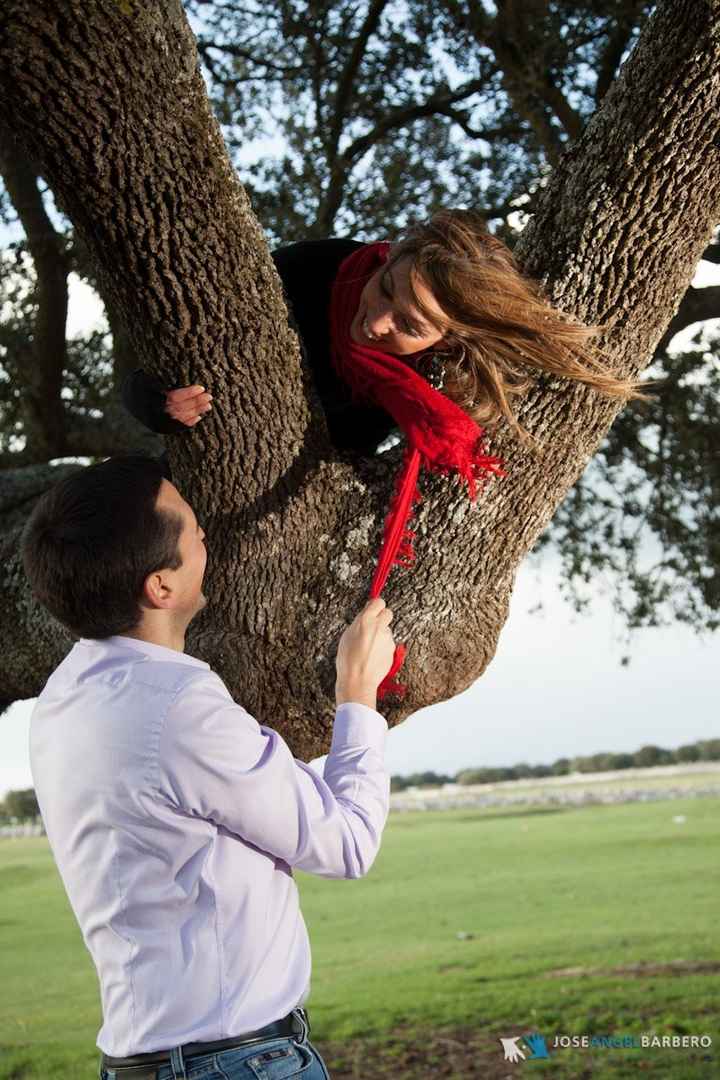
[[307, 270]]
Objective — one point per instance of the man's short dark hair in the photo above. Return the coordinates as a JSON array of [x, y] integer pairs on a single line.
[[91, 541]]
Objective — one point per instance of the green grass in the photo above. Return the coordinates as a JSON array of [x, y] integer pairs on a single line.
[[540, 889]]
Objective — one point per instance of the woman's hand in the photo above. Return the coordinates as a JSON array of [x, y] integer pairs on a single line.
[[188, 404]]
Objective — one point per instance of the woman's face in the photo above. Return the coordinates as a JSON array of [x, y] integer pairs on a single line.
[[387, 317]]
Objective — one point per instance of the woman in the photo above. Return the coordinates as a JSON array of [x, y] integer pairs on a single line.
[[448, 300], [437, 334]]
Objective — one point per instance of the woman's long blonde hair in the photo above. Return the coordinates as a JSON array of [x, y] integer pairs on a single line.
[[500, 326]]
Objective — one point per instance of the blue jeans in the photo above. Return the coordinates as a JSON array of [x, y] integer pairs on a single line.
[[275, 1059]]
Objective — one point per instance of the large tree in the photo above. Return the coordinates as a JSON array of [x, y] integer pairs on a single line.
[[109, 103], [382, 111], [366, 115]]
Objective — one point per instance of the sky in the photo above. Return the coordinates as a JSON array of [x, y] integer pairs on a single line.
[[555, 688]]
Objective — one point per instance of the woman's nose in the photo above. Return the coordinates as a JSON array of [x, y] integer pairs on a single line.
[[380, 321]]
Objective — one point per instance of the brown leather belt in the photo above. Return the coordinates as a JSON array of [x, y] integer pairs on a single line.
[[144, 1066]]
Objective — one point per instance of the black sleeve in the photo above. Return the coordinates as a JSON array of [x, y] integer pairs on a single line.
[[144, 397], [167, 472], [357, 428], [307, 270], [306, 263]]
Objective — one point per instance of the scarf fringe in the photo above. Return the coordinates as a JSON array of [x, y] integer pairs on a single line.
[[390, 685]]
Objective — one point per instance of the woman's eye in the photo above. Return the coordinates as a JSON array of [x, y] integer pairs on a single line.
[[384, 289], [405, 328], [402, 326]]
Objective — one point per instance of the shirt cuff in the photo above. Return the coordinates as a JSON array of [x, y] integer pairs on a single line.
[[358, 725]]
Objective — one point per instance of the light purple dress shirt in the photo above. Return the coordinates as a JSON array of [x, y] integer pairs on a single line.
[[174, 819]]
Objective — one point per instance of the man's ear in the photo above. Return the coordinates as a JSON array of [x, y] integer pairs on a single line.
[[156, 589]]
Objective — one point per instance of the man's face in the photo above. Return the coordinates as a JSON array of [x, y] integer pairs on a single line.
[[185, 583]]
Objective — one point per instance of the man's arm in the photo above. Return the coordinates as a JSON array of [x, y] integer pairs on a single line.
[[218, 763]]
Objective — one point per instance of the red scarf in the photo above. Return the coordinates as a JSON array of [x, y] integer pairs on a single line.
[[440, 436]]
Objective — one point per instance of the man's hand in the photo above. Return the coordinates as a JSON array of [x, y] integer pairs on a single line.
[[188, 404], [365, 655]]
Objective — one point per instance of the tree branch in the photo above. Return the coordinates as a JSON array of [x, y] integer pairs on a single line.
[[397, 118], [315, 43], [616, 45], [43, 418], [526, 84], [115, 432], [405, 115], [21, 486], [695, 306], [347, 77], [283, 71]]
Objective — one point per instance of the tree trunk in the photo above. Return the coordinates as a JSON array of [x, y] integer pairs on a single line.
[[136, 159]]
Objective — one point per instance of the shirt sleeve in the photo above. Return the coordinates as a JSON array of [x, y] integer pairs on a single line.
[[144, 398], [218, 763]]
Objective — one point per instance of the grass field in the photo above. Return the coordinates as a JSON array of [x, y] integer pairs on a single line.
[[621, 894]]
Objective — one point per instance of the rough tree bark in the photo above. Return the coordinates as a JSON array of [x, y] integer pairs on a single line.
[[110, 99]]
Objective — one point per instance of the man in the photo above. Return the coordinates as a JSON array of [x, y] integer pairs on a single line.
[[174, 817]]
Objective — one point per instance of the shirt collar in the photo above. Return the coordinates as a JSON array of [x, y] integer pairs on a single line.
[[149, 648]]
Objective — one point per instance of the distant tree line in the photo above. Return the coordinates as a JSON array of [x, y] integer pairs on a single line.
[[23, 804], [19, 804], [646, 756]]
